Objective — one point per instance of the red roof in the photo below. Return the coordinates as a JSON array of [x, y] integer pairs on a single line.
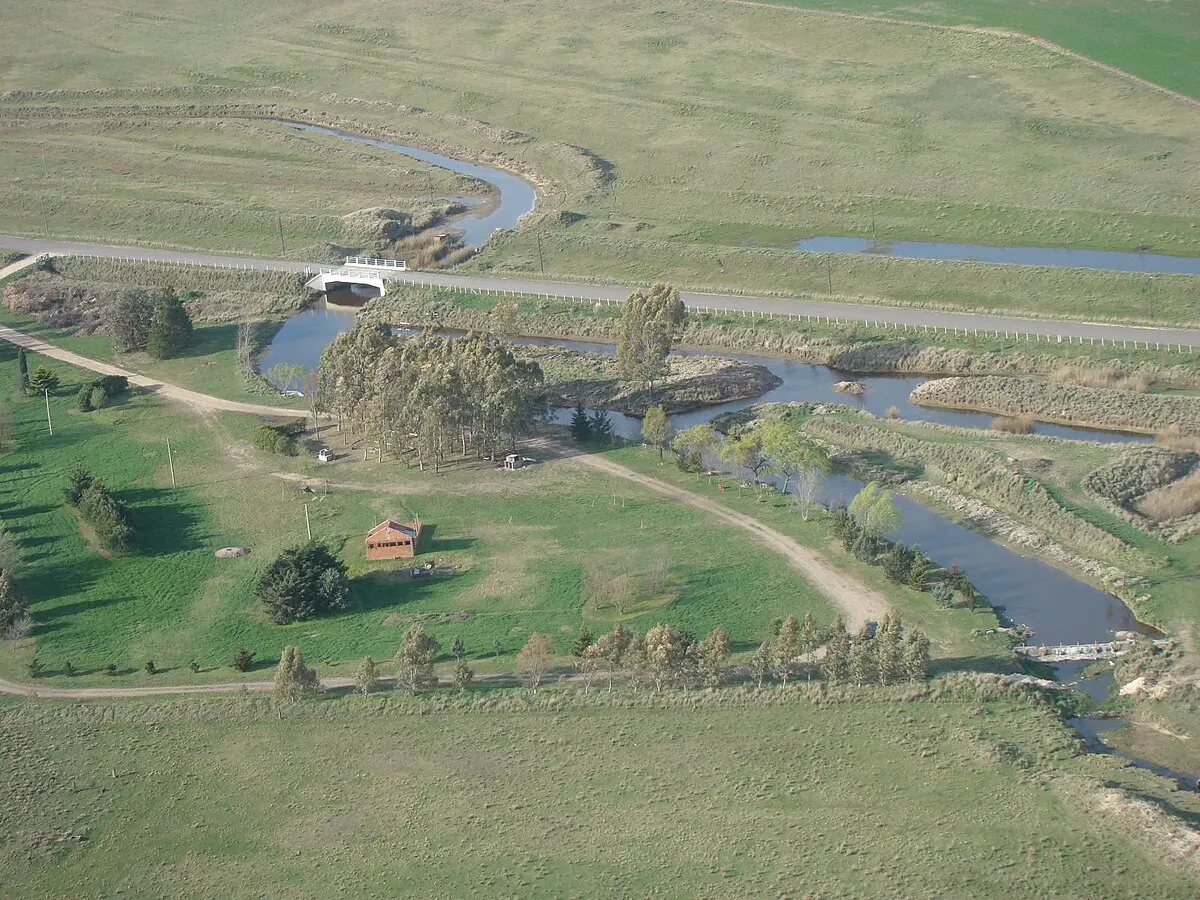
[[406, 528]]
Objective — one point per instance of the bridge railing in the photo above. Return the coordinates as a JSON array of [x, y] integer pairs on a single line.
[[375, 263]]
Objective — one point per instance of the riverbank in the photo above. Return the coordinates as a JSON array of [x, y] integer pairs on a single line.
[[691, 382]]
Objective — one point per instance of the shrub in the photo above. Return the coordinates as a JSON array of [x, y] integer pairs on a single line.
[[111, 670], [112, 385], [279, 438], [14, 608], [1173, 501], [97, 397], [243, 660], [108, 515], [78, 482], [84, 402], [151, 669], [194, 667], [1012, 424], [304, 582], [69, 669]]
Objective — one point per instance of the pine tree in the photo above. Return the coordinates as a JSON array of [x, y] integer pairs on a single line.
[[835, 666], [916, 656], [41, 381], [918, 572], [582, 641], [863, 664], [22, 371], [458, 648], [581, 425], [601, 427], [170, 327], [366, 677], [787, 649], [889, 650], [293, 678]]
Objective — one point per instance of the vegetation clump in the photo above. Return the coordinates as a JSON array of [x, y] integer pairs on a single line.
[[303, 583], [293, 679], [279, 438], [102, 509], [170, 331]]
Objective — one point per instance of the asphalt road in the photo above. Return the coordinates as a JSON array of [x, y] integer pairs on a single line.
[[890, 315]]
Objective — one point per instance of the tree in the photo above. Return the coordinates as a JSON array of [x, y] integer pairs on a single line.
[[943, 594], [463, 676], [293, 678], [656, 428], [611, 648], [458, 648], [10, 549], [918, 572], [916, 656], [787, 649], [243, 660], [791, 451], [14, 608], [303, 582], [170, 327], [864, 665], [127, 319], [651, 322], [810, 639], [691, 445], [744, 450], [872, 508], [713, 656], [581, 425], [366, 676], [533, 661], [41, 381], [22, 371], [835, 666], [84, 401], [97, 398], [664, 654], [762, 662], [889, 650], [286, 376], [415, 657], [601, 427], [582, 641]]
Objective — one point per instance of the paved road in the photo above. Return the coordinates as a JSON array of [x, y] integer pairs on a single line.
[[883, 314]]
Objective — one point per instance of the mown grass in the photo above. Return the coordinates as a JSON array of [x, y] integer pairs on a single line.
[[706, 126], [1153, 41], [738, 798], [518, 545]]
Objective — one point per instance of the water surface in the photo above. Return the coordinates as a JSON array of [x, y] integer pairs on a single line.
[[1110, 260]]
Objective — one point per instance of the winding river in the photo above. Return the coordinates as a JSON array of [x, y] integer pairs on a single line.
[[1057, 607]]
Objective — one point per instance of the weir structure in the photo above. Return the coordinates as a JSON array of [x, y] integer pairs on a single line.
[[1079, 652]]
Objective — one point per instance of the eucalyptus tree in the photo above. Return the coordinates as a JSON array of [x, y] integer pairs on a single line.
[[651, 322]]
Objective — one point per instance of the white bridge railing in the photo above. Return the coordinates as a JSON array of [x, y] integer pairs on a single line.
[[375, 263]]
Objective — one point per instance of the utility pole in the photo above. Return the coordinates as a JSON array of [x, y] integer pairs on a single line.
[[829, 272], [307, 525], [170, 462], [541, 263], [49, 424], [282, 245]]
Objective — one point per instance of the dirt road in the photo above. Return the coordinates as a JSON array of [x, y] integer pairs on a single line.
[[201, 401]]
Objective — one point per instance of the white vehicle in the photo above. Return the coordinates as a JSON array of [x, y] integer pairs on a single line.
[[324, 455]]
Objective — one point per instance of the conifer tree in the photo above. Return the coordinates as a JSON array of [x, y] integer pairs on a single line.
[[464, 675], [581, 425], [582, 641], [916, 656], [293, 678], [787, 649], [889, 650], [40, 381], [366, 677], [835, 667], [863, 665], [170, 327], [22, 371], [601, 427]]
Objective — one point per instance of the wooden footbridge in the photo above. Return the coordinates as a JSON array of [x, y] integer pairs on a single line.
[[1078, 652]]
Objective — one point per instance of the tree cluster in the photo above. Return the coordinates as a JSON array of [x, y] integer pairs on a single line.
[[100, 508], [293, 679], [96, 394], [879, 654], [138, 319], [430, 395], [14, 608], [279, 437], [303, 583], [596, 428], [651, 322]]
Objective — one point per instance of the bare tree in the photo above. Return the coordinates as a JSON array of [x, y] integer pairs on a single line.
[[534, 660]]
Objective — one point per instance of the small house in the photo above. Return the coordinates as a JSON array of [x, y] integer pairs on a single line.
[[394, 540]]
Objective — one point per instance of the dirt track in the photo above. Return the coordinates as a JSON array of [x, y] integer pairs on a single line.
[[857, 603]]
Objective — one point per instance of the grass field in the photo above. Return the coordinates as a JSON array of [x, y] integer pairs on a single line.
[[705, 126], [519, 544], [1155, 41], [728, 798]]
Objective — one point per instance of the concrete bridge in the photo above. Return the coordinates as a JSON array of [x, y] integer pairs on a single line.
[[1079, 652], [361, 274]]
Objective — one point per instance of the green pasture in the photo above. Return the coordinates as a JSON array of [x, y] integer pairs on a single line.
[[517, 544], [727, 795], [697, 132]]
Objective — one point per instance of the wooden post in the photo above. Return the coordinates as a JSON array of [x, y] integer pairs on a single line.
[[307, 525], [49, 423], [170, 462]]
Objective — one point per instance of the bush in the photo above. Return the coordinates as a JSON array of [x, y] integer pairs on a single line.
[[243, 660], [101, 508], [97, 398], [78, 482], [279, 438], [84, 403], [112, 385], [302, 583]]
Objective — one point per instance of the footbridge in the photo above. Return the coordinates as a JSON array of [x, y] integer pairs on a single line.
[[358, 270], [1079, 652]]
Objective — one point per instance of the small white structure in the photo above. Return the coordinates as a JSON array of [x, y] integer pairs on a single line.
[[324, 455], [515, 461]]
